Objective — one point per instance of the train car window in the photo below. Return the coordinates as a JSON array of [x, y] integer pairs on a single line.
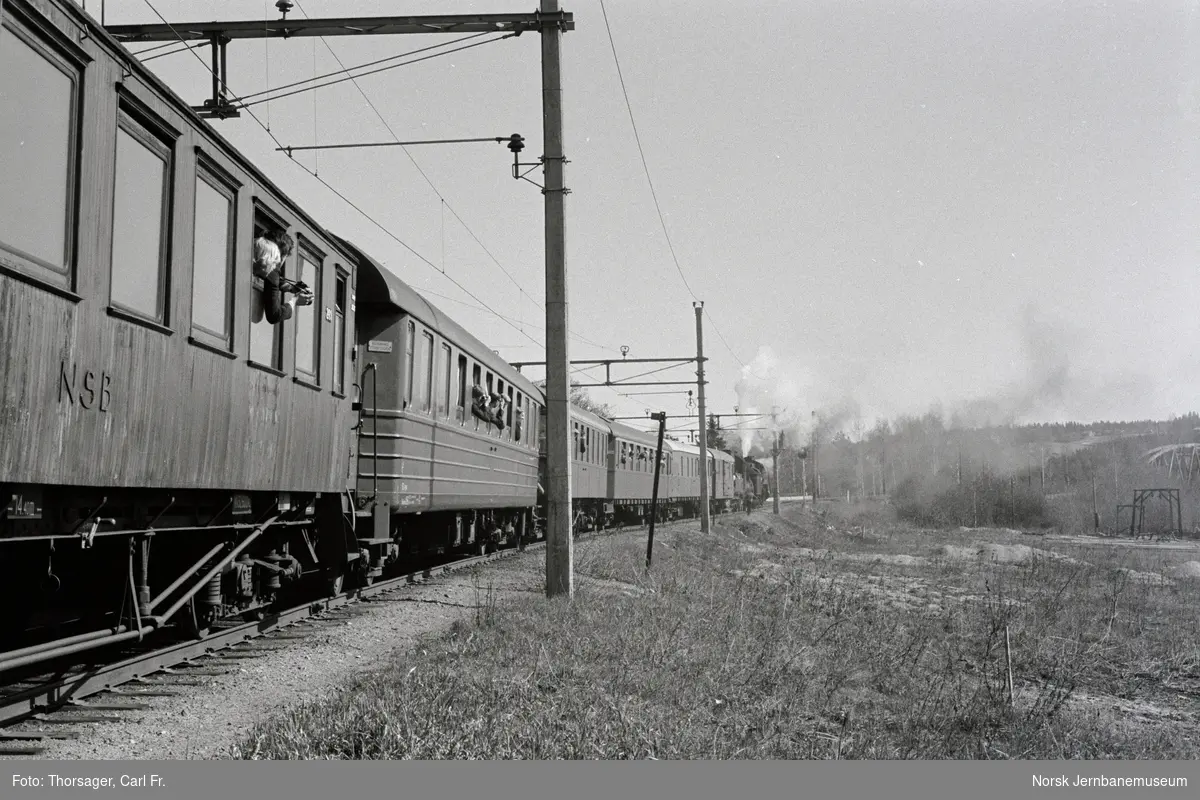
[[461, 411], [409, 346], [519, 418], [339, 332], [308, 332], [427, 371], [508, 414], [39, 150], [141, 216], [445, 367], [266, 340], [213, 258], [489, 383], [541, 428], [500, 392]]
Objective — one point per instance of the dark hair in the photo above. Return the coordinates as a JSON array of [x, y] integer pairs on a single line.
[[285, 242]]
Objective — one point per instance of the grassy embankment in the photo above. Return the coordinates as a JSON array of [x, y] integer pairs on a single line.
[[802, 637]]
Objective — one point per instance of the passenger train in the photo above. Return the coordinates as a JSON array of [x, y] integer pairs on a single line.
[[169, 458]]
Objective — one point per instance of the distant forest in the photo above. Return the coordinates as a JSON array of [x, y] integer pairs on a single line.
[[1023, 475]]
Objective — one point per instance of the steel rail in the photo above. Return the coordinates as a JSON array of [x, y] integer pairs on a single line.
[[62, 689]]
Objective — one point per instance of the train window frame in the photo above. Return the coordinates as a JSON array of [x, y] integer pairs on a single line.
[[264, 219], [341, 299], [427, 370], [410, 352], [60, 52], [500, 391], [144, 128], [219, 180], [517, 431], [460, 411], [508, 414], [306, 250], [445, 370]]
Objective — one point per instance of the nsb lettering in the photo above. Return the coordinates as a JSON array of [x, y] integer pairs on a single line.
[[91, 391]]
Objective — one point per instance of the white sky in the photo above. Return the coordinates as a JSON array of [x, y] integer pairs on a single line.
[[906, 202]]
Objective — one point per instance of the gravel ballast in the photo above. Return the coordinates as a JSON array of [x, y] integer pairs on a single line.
[[205, 720]]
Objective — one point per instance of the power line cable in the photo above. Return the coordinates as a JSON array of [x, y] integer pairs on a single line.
[[374, 71], [650, 181], [433, 186], [344, 69], [325, 183]]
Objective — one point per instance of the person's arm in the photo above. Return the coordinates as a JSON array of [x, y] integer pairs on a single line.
[[274, 307]]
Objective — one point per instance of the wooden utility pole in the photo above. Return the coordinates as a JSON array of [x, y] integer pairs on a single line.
[[813, 452], [775, 458], [1043, 470], [560, 572], [661, 416], [1095, 508], [704, 520]]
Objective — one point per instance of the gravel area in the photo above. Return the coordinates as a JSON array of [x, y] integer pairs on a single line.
[[205, 720]]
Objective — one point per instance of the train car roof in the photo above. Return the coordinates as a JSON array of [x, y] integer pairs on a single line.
[[590, 418], [635, 435], [377, 285], [691, 449]]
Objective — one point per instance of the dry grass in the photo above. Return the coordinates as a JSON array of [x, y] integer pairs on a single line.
[[810, 638]]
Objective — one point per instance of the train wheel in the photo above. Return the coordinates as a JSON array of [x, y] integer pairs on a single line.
[[335, 586], [193, 622]]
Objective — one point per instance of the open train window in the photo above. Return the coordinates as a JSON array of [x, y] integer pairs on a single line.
[[141, 215], [214, 237], [508, 414], [39, 149], [339, 331], [461, 411], [266, 339], [540, 428], [519, 419]]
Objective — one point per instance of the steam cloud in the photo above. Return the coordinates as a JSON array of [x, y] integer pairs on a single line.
[[1046, 388]]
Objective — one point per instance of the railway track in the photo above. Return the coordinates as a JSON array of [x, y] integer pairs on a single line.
[[45, 707]]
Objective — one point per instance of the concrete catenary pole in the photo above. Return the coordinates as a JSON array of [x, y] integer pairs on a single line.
[[560, 577], [704, 521]]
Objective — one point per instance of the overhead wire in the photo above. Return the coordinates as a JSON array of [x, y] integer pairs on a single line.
[[344, 69], [654, 194], [373, 72], [326, 184], [433, 186]]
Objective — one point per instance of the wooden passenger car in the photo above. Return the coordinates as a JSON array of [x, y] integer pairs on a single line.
[[590, 438], [631, 472], [435, 472], [140, 386], [724, 490]]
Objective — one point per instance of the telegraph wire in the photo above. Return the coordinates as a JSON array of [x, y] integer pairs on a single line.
[[326, 184], [650, 181], [372, 72], [433, 186]]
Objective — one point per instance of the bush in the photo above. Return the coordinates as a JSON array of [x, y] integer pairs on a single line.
[[987, 500]]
